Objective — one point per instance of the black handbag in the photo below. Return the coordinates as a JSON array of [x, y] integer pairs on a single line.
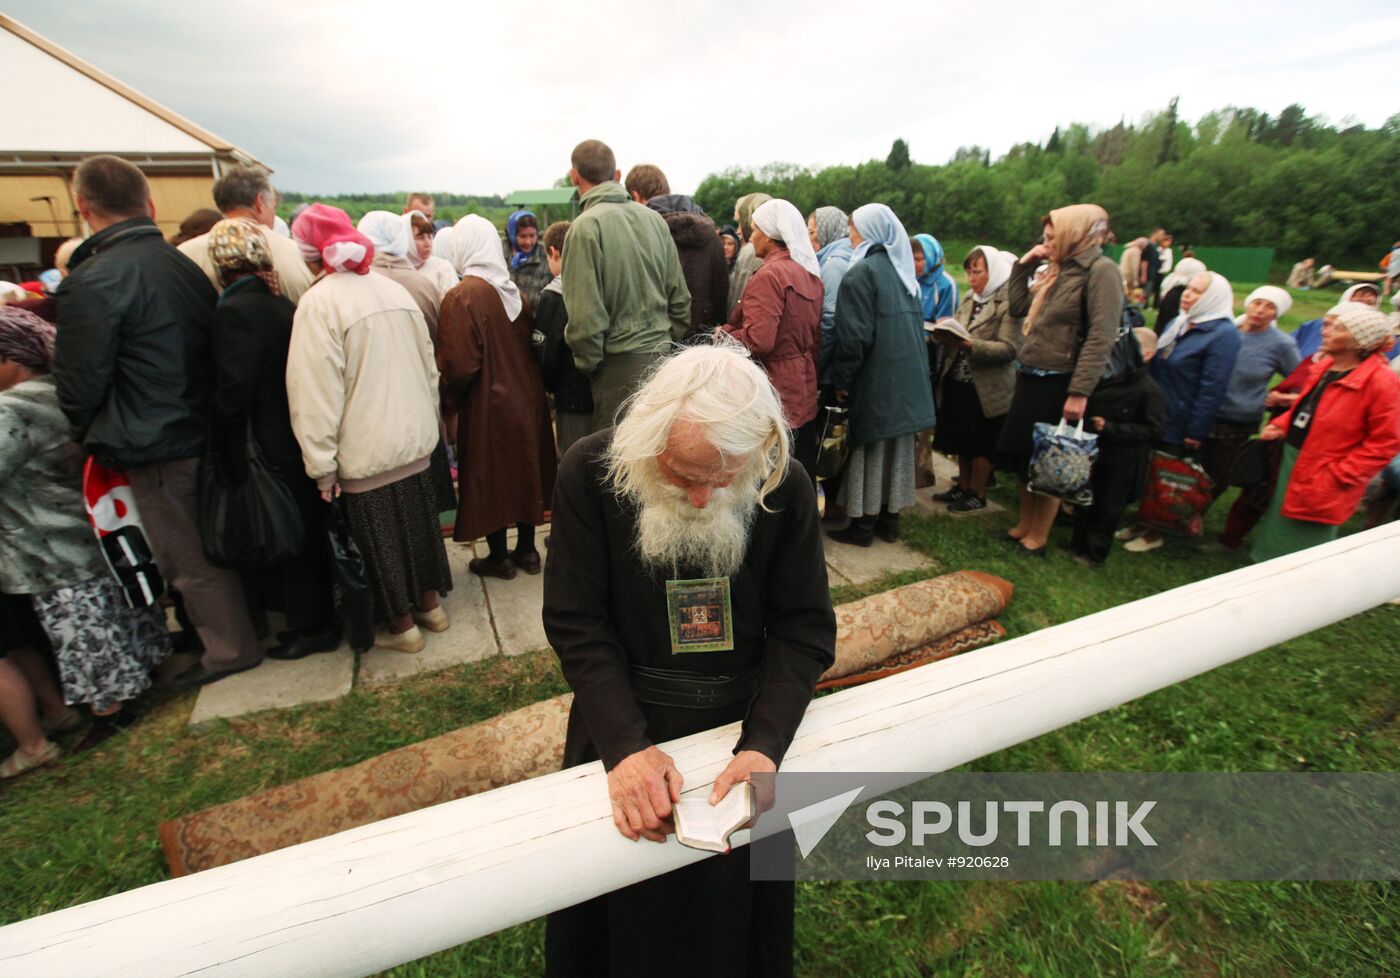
[[1254, 464], [834, 445], [1126, 356], [248, 516], [353, 597]]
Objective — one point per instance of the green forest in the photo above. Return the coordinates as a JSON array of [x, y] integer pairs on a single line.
[[1236, 177], [448, 206]]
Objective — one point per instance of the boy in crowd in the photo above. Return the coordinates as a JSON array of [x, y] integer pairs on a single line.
[[573, 399], [1127, 414]]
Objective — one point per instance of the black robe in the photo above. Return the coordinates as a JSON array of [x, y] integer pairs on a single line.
[[603, 611]]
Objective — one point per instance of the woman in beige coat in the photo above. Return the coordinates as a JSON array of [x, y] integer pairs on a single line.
[[976, 377]]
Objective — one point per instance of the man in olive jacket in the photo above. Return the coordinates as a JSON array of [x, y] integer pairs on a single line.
[[623, 284], [134, 372]]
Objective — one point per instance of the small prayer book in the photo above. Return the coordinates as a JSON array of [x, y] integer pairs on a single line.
[[701, 825], [947, 328]]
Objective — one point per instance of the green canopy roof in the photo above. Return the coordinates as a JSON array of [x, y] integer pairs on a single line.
[[542, 198]]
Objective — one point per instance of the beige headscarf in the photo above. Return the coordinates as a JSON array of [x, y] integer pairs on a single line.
[[744, 208], [1078, 228]]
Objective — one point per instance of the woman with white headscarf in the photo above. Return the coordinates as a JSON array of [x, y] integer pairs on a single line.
[[505, 446], [392, 236], [976, 377], [1172, 288], [779, 318], [880, 371], [1195, 358], [420, 256]]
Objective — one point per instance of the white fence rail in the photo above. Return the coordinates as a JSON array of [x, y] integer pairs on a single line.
[[365, 900]]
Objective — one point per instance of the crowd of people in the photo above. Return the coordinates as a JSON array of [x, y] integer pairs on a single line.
[[660, 388]]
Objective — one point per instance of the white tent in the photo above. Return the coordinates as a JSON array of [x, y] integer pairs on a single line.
[[90, 112]]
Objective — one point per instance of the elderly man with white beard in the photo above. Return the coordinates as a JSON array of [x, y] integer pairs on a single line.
[[690, 501]]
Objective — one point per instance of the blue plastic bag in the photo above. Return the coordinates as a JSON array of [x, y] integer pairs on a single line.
[[1062, 461]]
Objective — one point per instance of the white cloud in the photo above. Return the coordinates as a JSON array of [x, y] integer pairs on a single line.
[[489, 97]]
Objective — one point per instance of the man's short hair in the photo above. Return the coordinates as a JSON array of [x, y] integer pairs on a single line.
[[241, 187], [424, 198], [594, 161], [553, 236], [112, 186], [647, 181]]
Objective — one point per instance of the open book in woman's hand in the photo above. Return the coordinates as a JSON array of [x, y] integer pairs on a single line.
[[701, 825]]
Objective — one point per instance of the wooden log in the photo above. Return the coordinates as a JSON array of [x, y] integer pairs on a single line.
[[373, 897]]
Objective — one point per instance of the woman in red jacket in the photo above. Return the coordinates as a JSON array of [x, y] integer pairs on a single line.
[[1336, 437]]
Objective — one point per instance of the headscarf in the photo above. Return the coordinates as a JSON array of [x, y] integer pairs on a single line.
[[442, 245], [1185, 271], [518, 257], [1078, 228], [729, 232], [744, 208], [280, 226], [26, 339], [1369, 327], [832, 224], [51, 279], [238, 248], [935, 279], [878, 225], [1269, 293], [999, 266], [1216, 302], [1351, 290], [328, 232], [391, 234], [476, 250], [782, 222]]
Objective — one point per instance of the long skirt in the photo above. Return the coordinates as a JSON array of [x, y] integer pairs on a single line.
[[963, 430], [105, 649], [879, 477], [1036, 399], [1280, 535], [397, 530]]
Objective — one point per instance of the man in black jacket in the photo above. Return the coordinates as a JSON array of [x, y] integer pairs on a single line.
[[685, 589], [134, 374]]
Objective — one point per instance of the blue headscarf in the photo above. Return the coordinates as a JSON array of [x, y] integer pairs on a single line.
[[878, 226], [938, 293], [518, 257]]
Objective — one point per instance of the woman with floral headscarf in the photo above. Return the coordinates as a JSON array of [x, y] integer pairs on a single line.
[[1337, 437], [1062, 355], [938, 293], [252, 334], [505, 446], [105, 649], [528, 268], [829, 228], [362, 383], [880, 370]]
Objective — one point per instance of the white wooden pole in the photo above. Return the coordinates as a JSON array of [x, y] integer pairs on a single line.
[[373, 897]]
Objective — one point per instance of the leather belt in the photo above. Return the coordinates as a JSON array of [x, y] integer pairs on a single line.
[[692, 690]]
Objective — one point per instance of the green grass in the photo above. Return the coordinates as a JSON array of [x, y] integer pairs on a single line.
[[86, 828]]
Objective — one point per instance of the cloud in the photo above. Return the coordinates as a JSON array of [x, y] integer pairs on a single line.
[[357, 95]]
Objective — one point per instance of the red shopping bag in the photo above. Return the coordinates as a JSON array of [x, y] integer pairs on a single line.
[[1177, 495]]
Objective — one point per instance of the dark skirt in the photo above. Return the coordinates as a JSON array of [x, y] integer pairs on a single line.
[[397, 530], [963, 430], [1036, 399]]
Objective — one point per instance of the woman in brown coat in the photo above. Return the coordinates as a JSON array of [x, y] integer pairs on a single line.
[[505, 448]]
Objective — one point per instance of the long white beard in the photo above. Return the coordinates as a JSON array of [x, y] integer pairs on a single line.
[[671, 533]]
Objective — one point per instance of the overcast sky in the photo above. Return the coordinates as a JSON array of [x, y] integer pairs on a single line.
[[474, 97]]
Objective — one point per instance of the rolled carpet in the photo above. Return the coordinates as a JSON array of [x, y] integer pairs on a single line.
[[917, 624]]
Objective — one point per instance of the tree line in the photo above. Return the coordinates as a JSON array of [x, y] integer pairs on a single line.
[[1236, 177]]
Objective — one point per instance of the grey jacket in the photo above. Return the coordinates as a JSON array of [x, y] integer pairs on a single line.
[[46, 541], [996, 337]]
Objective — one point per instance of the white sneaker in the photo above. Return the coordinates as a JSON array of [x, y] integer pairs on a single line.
[[1142, 544], [434, 621], [410, 641]]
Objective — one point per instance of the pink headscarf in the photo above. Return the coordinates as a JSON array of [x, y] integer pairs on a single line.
[[329, 231]]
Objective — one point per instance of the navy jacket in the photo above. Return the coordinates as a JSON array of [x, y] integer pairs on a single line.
[[1195, 377]]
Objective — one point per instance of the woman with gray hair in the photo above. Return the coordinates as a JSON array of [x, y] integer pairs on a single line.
[[105, 650]]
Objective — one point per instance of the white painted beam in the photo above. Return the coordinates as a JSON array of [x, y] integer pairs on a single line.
[[365, 900]]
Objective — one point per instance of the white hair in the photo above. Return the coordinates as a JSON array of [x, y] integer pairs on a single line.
[[718, 387]]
